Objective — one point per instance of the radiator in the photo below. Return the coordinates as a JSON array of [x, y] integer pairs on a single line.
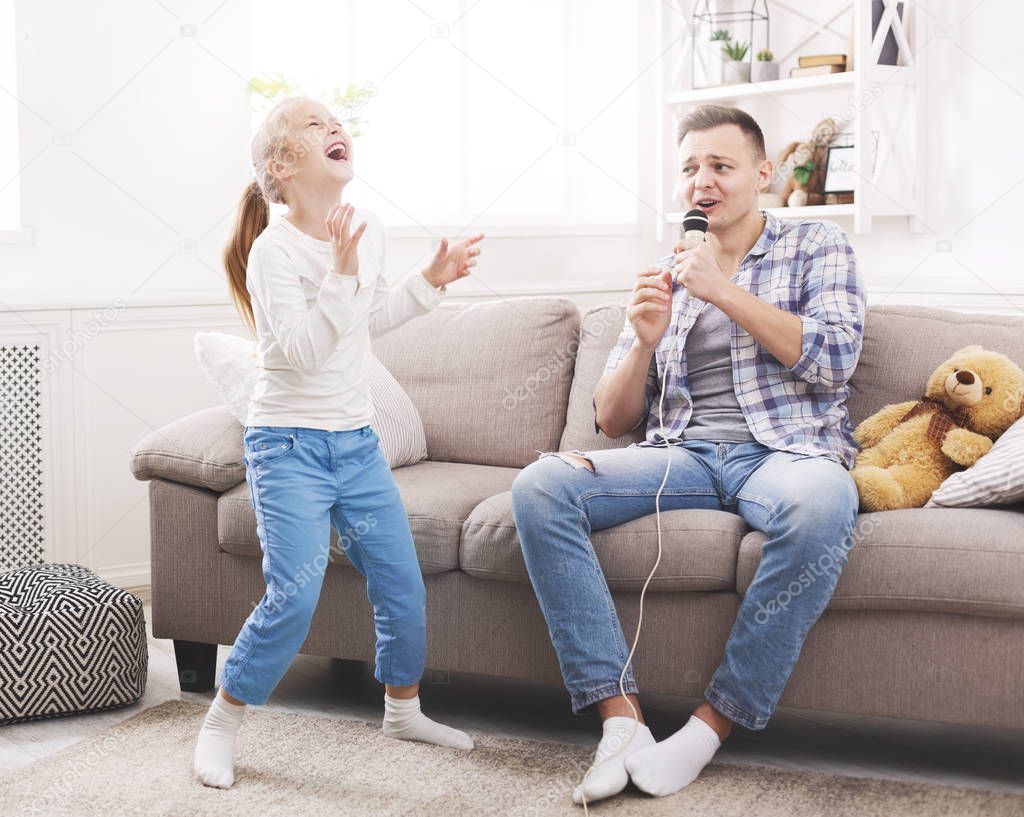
[[22, 495]]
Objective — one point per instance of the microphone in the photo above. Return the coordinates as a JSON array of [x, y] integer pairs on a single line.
[[693, 229]]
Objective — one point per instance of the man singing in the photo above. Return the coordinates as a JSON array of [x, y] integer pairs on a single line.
[[767, 318]]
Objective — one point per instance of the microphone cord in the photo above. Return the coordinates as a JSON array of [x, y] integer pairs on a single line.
[[673, 351]]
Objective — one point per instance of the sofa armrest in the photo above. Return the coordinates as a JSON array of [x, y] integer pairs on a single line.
[[203, 449]]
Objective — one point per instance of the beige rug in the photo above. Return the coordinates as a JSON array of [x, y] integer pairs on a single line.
[[311, 766]]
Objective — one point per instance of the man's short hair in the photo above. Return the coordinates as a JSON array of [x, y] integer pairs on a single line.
[[706, 117]]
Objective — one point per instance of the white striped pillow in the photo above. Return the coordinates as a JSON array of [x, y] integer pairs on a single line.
[[403, 439], [995, 479], [229, 362]]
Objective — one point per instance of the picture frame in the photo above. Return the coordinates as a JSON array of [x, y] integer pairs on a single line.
[[840, 172], [843, 170]]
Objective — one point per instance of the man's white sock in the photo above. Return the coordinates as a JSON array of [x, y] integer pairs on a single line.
[[404, 720], [668, 766], [214, 761], [608, 775]]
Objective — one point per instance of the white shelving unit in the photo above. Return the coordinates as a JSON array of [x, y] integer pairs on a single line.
[[748, 89], [887, 100]]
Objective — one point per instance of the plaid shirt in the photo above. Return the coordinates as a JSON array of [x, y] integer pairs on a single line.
[[807, 268]]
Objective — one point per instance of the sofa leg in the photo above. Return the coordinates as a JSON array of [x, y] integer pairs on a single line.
[[197, 665]]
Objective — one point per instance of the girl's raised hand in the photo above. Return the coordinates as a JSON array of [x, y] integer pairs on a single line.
[[344, 243], [453, 262]]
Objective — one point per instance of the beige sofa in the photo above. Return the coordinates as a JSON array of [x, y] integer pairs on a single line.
[[927, 620]]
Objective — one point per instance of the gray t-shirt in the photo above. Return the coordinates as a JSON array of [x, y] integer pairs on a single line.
[[716, 411]]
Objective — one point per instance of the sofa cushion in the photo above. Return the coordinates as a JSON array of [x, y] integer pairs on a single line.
[[203, 449], [490, 380], [997, 478], [699, 548], [437, 496], [904, 344], [599, 330], [939, 560]]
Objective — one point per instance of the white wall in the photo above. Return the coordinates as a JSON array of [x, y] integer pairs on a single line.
[[144, 134], [139, 203]]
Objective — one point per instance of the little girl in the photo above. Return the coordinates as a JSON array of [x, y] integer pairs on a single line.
[[311, 287]]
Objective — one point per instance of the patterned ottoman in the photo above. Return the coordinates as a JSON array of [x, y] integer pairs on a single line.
[[69, 643]]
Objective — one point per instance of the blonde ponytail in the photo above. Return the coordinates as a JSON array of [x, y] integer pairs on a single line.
[[269, 144], [253, 217]]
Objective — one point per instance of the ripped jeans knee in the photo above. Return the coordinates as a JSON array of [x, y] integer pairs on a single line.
[[575, 458]]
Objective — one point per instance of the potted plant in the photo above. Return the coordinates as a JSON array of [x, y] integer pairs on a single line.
[[736, 70], [765, 70], [719, 37]]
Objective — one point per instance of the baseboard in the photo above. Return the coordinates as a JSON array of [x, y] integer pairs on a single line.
[[134, 577]]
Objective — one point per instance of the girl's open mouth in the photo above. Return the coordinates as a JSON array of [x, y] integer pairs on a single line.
[[338, 152]]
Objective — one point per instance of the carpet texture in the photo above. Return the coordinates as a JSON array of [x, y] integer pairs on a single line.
[[313, 766]]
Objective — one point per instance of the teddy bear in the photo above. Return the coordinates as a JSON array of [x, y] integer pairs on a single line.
[[797, 193], [908, 449]]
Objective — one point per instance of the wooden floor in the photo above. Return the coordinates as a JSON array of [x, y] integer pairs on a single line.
[[983, 758]]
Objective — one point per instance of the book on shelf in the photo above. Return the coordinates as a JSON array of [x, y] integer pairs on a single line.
[[816, 70], [822, 59]]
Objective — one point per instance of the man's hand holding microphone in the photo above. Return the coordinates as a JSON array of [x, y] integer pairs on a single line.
[[619, 396], [695, 267], [696, 260]]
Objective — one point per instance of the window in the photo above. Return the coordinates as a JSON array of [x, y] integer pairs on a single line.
[[477, 113], [10, 216]]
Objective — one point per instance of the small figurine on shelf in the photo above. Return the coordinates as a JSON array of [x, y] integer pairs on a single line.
[[807, 162], [765, 70]]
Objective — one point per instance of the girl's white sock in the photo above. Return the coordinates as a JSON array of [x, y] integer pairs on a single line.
[[404, 720], [214, 761], [668, 766], [608, 775]]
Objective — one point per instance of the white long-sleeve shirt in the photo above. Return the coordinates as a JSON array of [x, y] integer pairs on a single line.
[[314, 326]]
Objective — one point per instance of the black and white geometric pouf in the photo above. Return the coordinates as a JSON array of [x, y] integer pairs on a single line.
[[69, 643]]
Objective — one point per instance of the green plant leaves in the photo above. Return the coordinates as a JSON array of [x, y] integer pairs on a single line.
[[736, 50], [267, 89], [802, 173]]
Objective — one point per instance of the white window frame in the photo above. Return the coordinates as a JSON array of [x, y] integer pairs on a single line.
[[514, 229], [11, 233]]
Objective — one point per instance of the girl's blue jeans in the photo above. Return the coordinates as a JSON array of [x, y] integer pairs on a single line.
[[303, 481], [807, 505]]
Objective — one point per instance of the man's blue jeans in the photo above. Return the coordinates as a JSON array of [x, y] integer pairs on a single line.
[[301, 482], [807, 506]]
